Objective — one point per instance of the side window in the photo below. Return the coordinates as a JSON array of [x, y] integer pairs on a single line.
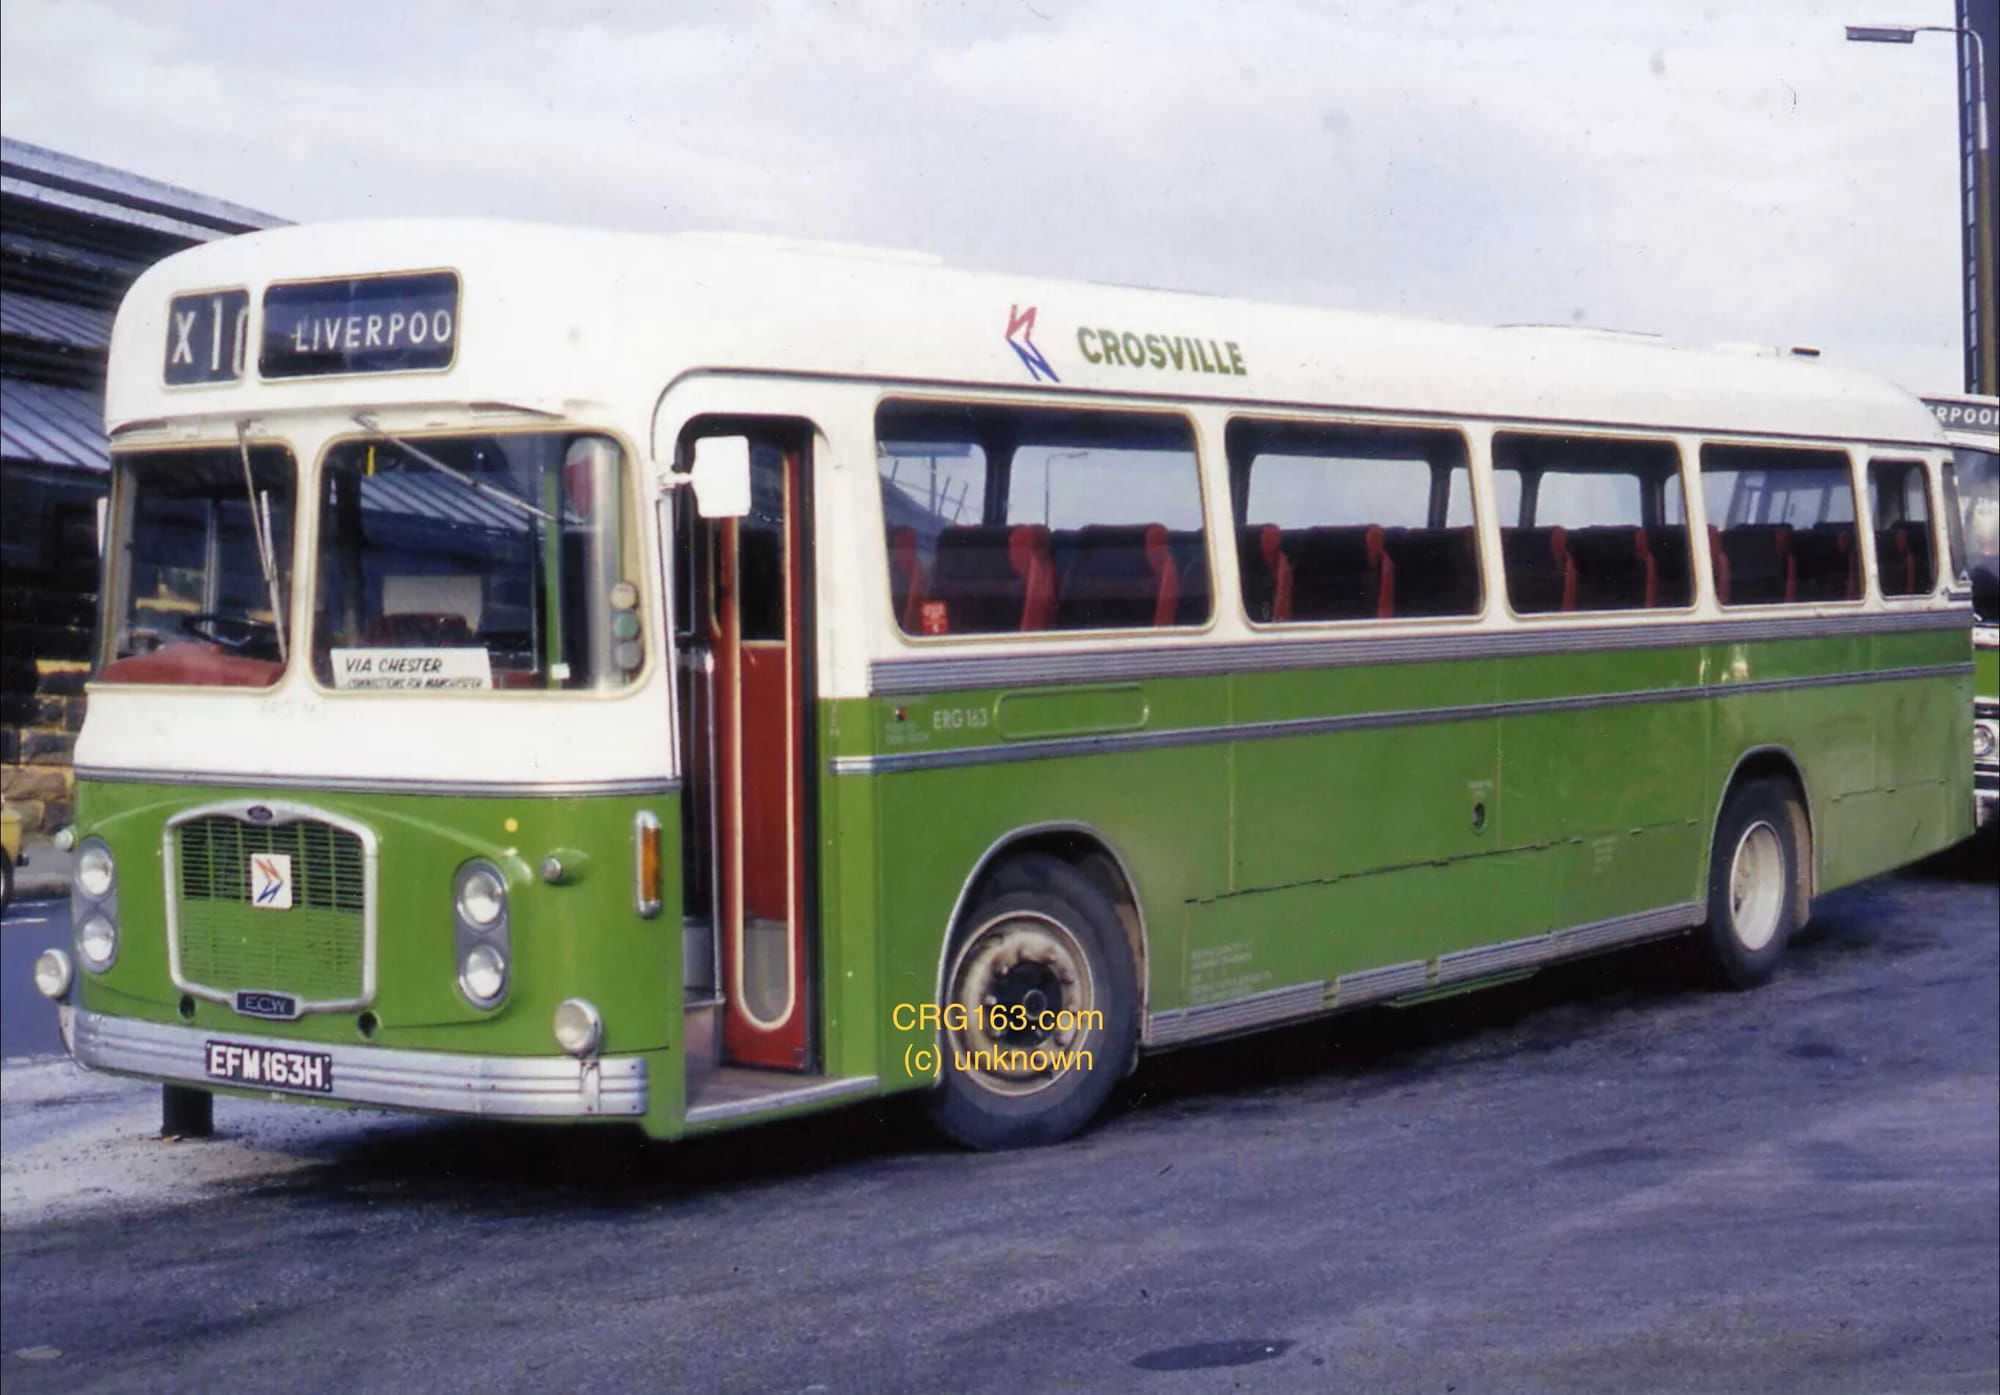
[[760, 549], [1003, 520], [1591, 523], [1972, 516], [1351, 522], [1905, 559], [1780, 525]]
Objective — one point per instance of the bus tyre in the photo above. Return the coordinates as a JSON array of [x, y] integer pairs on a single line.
[[1039, 1009], [1755, 885]]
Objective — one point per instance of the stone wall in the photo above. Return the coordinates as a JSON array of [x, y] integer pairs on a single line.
[[48, 600], [35, 775]]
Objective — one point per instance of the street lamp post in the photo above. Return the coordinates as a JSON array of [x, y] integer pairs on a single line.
[[1986, 376]]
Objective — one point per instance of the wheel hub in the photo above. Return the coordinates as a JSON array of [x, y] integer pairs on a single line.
[[1757, 885], [1014, 998]]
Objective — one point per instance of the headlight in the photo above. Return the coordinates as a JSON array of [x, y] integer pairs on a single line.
[[96, 873], [578, 1027], [97, 941], [480, 938], [483, 975], [52, 973], [1983, 741], [482, 895]]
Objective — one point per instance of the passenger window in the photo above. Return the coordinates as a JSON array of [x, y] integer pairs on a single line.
[[1905, 560], [1351, 522], [1000, 520], [1591, 523], [1780, 525], [1971, 480]]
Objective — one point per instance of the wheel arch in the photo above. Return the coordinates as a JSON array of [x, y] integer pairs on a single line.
[[1774, 761], [1081, 846]]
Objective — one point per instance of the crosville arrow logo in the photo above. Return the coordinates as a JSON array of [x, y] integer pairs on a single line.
[[1021, 339], [271, 881]]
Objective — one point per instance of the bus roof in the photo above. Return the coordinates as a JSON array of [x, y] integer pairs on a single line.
[[580, 321]]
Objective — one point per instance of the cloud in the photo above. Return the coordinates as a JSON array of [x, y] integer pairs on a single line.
[[1708, 171]]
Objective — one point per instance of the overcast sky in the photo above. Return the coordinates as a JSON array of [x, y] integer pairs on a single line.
[[1711, 171]]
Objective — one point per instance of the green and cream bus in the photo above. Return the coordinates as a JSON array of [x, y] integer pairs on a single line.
[[561, 675], [1972, 424]]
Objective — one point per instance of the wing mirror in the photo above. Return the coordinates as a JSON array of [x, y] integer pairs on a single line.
[[721, 476]]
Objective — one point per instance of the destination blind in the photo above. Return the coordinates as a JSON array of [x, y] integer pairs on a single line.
[[373, 324]]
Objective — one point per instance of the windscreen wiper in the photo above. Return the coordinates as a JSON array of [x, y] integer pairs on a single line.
[[260, 529], [369, 424]]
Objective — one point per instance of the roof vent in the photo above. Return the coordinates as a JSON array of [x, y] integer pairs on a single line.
[[1643, 336]]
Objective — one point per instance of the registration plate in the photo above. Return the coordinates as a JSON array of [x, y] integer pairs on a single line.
[[270, 1067]]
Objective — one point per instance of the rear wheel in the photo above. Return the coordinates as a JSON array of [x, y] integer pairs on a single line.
[[1756, 884], [1040, 1009]]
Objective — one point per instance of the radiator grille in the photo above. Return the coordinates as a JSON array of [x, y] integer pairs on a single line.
[[314, 950]]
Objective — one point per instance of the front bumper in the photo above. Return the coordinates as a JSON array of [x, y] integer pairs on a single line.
[[494, 1087]]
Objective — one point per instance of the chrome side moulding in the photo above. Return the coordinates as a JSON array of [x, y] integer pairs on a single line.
[[1488, 960], [496, 1087], [356, 784], [1179, 1026], [1122, 742], [956, 669], [1374, 985], [1626, 930], [1236, 1014]]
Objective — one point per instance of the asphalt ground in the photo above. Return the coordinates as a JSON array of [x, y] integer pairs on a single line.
[[1602, 1179]]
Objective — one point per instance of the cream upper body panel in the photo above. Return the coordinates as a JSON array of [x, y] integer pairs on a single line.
[[631, 333], [553, 316]]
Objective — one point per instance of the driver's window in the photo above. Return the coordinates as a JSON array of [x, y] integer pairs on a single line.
[[201, 562]]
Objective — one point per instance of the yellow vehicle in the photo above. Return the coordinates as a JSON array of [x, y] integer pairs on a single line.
[[10, 853]]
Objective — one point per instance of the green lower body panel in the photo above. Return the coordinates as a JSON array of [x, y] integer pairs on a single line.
[[1284, 843]]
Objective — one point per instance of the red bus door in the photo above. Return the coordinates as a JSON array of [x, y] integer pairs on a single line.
[[760, 644]]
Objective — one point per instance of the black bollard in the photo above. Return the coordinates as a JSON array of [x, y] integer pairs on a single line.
[[186, 1112]]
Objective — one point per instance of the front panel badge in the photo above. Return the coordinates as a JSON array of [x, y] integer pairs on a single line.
[[271, 881]]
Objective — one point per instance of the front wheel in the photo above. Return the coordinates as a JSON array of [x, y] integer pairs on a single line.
[[1040, 1009], [1756, 881]]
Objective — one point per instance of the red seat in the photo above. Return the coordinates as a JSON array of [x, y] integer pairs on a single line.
[[1902, 557], [906, 579], [1437, 570], [1190, 549], [414, 630], [1614, 568], [1761, 569], [1917, 537], [1341, 573], [1117, 576], [1540, 575], [1267, 572], [1667, 545], [988, 580], [1827, 565]]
